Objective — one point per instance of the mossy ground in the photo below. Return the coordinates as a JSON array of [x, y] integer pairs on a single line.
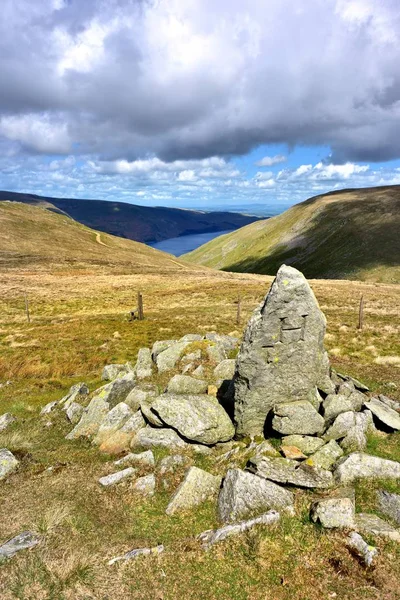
[[79, 323]]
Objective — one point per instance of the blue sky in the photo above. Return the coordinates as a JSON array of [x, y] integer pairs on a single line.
[[199, 104]]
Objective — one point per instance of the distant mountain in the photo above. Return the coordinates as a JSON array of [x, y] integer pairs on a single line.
[[348, 234], [34, 236], [134, 222]]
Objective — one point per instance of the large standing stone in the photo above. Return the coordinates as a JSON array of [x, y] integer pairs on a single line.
[[361, 466], [198, 418], [197, 487], [8, 463], [297, 418], [282, 356], [383, 413], [244, 494]]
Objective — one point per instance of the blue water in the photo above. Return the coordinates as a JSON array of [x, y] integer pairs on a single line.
[[186, 243]]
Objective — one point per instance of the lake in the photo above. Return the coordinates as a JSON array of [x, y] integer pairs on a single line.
[[186, 243]]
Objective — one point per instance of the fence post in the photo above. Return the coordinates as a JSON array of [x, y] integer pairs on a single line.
[[140, 307], [361, 313], [239, 301], [27, 308]]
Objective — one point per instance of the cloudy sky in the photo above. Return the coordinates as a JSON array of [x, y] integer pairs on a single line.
[[199, 102]]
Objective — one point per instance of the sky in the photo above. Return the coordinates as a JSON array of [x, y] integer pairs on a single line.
[[199, 103]]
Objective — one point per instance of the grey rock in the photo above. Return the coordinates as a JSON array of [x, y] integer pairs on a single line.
[[357, 384], [216, 353], [159, 347], [244, 494], [282, 354], [74, 412], [145, 485], [198, 418], [187, 368], [118, 390], [114, 478], [393, 404], [120, 440], [133, 554], [158, 438], [389, 504], [141, 393], [170, 464], [113, 421], [341, 426], [346, 388], [371, 524], [193, 356], [23, 541], [74, 393], [197, 487], [228, 342], [46, 410], [384, 414], [213, 536], [191, 337], [144, 364], [6, 420], [306, 443], [356, 437], [168, 358], [265, 448], [145, 459], [336, 511], [199, 372], [335, 404], [326, 456], [110, 372], [134, 423], [366, 552], [297, 418], [225, 370], [183, 384], [361, 466], [284, 470], [8, 463], [91, 419]]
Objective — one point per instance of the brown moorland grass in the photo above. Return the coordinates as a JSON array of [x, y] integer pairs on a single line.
[[79, 323]]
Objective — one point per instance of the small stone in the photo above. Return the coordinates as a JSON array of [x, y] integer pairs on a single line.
[[74, 412], [23, 541], [212, 390], [145, 459], [336, 511], [6, 420], [158, 438], [266, 449], [46, 410], [115, 478], [144, 364], [297, 418], [243, 494], [371, 524], [168, 358], [133, 554], [326, 456], [384, 414], [197, 487], [113, 421], [307, 444], [356, 437], [199, 372], [341, 426], [360, 466], [183, 384], [75, 391], [216, 353], [142, 396], [283, 470], [212, 536], [357, 384], [389, 504], [145, 485], [366, 552], [228, 342], [8, 463], [225, 369], [292, 452]]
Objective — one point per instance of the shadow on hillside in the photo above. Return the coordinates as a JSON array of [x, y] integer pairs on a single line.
[[343, 238]]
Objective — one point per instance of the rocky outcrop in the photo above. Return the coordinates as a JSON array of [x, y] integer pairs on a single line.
[[282, 357]]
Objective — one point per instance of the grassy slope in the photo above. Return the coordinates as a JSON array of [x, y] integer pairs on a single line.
[[351, 234], [33, 234]]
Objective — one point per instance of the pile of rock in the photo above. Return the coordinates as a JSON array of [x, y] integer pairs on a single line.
[[296, 422]]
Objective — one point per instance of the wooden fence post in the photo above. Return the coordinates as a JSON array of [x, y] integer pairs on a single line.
[[239, 301], [27, 308], [361, 313], [140, 307]]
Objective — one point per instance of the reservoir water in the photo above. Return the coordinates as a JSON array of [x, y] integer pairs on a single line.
[[186, 243]]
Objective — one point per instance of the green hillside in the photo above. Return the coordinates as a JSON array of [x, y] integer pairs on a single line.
[[350, 234]]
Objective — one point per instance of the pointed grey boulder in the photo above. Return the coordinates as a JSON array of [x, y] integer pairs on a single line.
[[282, 356]]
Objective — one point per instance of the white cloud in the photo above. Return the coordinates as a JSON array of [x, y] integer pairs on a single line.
[[37, 132], [269, 161]]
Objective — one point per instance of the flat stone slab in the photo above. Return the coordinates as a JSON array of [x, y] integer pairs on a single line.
[[148, 437], [213, 536], [197, 487], [305, 443], [363, 466], [145, 459], [297, 418], [284, 470], [337, 511], [383, 413], [137, 552], [326, 456], [115, 478], [199, 418], [184, 384], [244, 494], [389, 504], [8, 463], [292, 452], [23, 541], [371, 524]]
